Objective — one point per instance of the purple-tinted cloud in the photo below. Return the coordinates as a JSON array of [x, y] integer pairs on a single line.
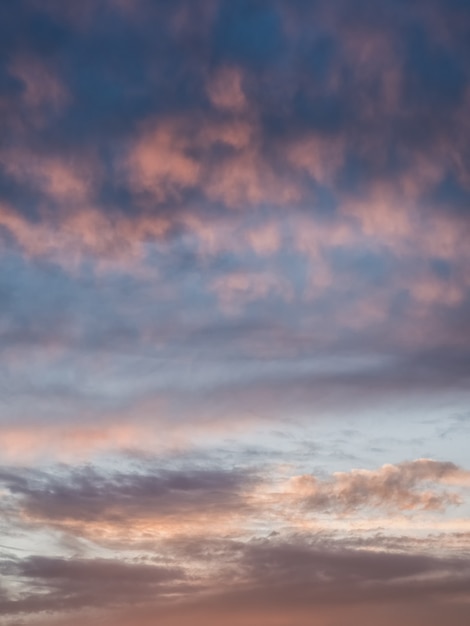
[[216, 217]]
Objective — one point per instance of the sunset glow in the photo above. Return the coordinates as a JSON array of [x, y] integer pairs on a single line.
[[235, 312]]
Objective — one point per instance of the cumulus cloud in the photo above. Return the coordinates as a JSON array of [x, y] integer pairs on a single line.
[[408, 486]]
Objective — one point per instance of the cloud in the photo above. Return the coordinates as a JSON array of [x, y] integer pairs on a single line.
[[217, 217], [170, 551], [161, 164], [225, 89], [408, 486], [289, 576], [161, 497], [159, 502], [58, 584]]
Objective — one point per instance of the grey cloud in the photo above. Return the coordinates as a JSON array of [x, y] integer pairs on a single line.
[[277, 574], [58, 584], [120, 498]]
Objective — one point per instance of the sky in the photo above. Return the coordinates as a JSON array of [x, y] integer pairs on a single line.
[[234, 312]]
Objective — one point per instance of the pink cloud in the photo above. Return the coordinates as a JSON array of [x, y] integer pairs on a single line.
[[408, 486], [225, 89]]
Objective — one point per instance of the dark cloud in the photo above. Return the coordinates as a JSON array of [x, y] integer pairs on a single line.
[[304, 72], [89, 495], [57, 584], [330, 570], [265, 575]]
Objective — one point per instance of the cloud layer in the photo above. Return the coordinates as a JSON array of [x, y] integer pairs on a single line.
[[234, 304], [227, 538]]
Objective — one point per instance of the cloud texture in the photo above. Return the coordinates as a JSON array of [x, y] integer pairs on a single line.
[[234, 312]]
